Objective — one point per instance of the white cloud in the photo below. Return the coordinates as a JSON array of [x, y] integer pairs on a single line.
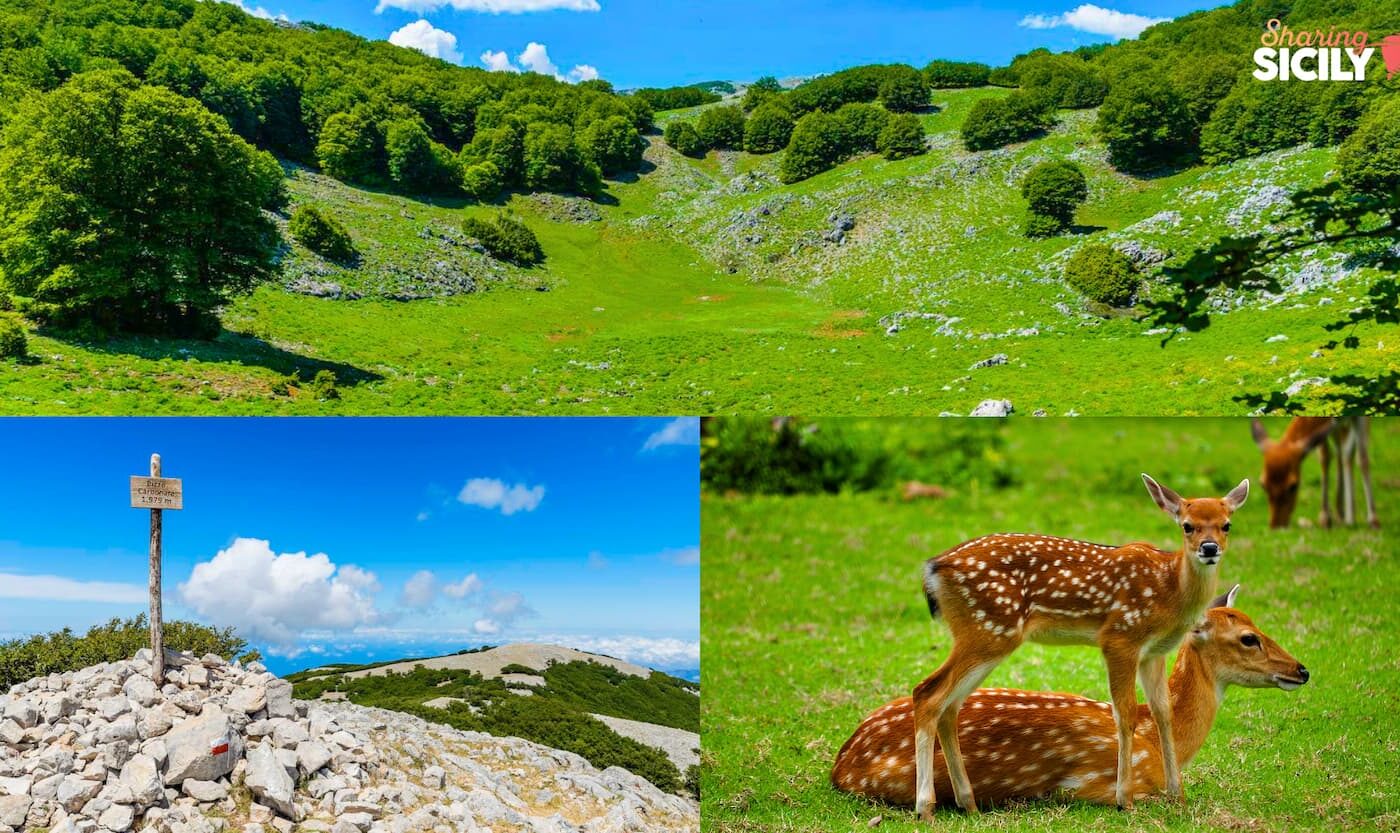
[[679, 431], [275, 598], [490, 493], [490, 6], [420, 590], [684, 557], [468, 586], [535, 58], [486, 626], [428, 39], [502, 611], [61, 589], [1095, 20], [497, 61], [597, 561], [257, 11], [642, 650]]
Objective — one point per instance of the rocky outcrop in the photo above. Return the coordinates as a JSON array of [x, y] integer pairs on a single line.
[[219, 747]]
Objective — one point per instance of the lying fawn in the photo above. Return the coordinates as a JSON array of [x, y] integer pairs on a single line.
[[1283, 464], [1135, 602], [1031, 744]]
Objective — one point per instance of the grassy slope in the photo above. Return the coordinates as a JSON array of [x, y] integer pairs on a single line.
[[840, 627], [643, 317]]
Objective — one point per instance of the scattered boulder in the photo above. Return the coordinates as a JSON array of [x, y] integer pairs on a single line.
[[993, 408], [269, 782], [189, 748], [991, 361]]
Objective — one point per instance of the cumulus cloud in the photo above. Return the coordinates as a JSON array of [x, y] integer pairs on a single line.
[[535, 58], [420, 590], [486, 627], [490, 6], [62, 589], [683, 557], [642, 650], [1095, 20], [490, 493], [428, 39], [679, 431], [257, 11], [275, 598], [502, 611], [468, 586]]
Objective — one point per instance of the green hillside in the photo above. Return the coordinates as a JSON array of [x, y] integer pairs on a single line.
[[707, 286], [558, 713]]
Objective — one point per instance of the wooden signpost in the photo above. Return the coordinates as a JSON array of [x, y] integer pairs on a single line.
[[157, 494]]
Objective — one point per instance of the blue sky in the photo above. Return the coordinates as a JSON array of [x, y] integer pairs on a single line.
[[662, 42], [437, 534]]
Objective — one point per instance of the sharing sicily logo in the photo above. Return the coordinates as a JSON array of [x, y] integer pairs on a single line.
[[1315, 55]]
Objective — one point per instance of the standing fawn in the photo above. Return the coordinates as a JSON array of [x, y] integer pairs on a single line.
[[1030, 744], [1134, 602], [1283, 463]]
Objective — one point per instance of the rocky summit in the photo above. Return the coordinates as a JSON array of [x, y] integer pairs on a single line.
[[220, 747]]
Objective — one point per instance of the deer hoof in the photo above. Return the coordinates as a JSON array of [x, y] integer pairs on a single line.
[[926, 815], [1375, 523]]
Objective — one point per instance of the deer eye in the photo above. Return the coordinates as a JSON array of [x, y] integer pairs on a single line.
[[1226, 527], [1188, 528], [1249, 640]]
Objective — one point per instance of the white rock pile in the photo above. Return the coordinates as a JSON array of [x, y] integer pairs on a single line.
[[219, 747]]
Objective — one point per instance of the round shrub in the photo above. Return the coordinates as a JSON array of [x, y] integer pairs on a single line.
[[1102, 274], [902, 137], [483, 181], [863, 124], [1053, 190], [768, 129], [14, 344], [505, 239], [1145, 123], [1369, 161], [681, 135], [818, 142], [322, 234], [904, 90], [613, 144], [994, 122], [721, 128]]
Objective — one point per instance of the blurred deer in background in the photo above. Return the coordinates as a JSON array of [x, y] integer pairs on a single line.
[[1031, 744], [1349, 437], [1135, 602]]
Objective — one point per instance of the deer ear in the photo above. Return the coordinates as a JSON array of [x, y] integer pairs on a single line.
[[1169, 501], [1226, 599], [1261, 434], [1317, 437], [1237, 495]]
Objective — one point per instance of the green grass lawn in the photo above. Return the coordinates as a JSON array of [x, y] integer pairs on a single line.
[[814, 617], [672, 302]]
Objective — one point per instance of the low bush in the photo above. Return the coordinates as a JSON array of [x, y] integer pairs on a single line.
[[902, 137], [14, 343], [1053, 190], [768, 129], [757, 455], [318, 231], [1102, 274], [721, 128], [1369, 160], [903, 89], [862, 125], [1145, 123], [681, 135], [995, 122], [483, 181], [945, 74], [818, 143], [505, 239]]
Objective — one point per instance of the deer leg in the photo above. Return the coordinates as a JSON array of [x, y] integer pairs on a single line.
[[1152, 673], [942, 692], [948, 737], [1324, 456], [1363, 447], [1122, 661], [1347, 464]]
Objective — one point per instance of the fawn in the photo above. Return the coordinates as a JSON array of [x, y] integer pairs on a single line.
[[1134, 602], [1031, 744], [1283, 463]]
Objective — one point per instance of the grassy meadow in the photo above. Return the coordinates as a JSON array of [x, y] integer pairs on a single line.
[[814, 617], [704, 286]]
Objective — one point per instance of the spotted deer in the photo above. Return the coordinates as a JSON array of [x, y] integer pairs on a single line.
[[1135, 602], [1348, 437], [1032, 744]]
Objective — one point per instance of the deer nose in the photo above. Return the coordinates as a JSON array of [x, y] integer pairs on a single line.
[[1210, 549], [1303, 674]]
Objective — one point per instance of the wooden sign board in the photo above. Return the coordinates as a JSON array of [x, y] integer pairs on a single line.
[[157, 493]]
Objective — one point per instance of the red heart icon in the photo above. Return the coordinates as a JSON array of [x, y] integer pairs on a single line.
[[1390, 53]]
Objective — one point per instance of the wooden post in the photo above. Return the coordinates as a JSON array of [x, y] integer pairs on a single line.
[[157, 636]]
